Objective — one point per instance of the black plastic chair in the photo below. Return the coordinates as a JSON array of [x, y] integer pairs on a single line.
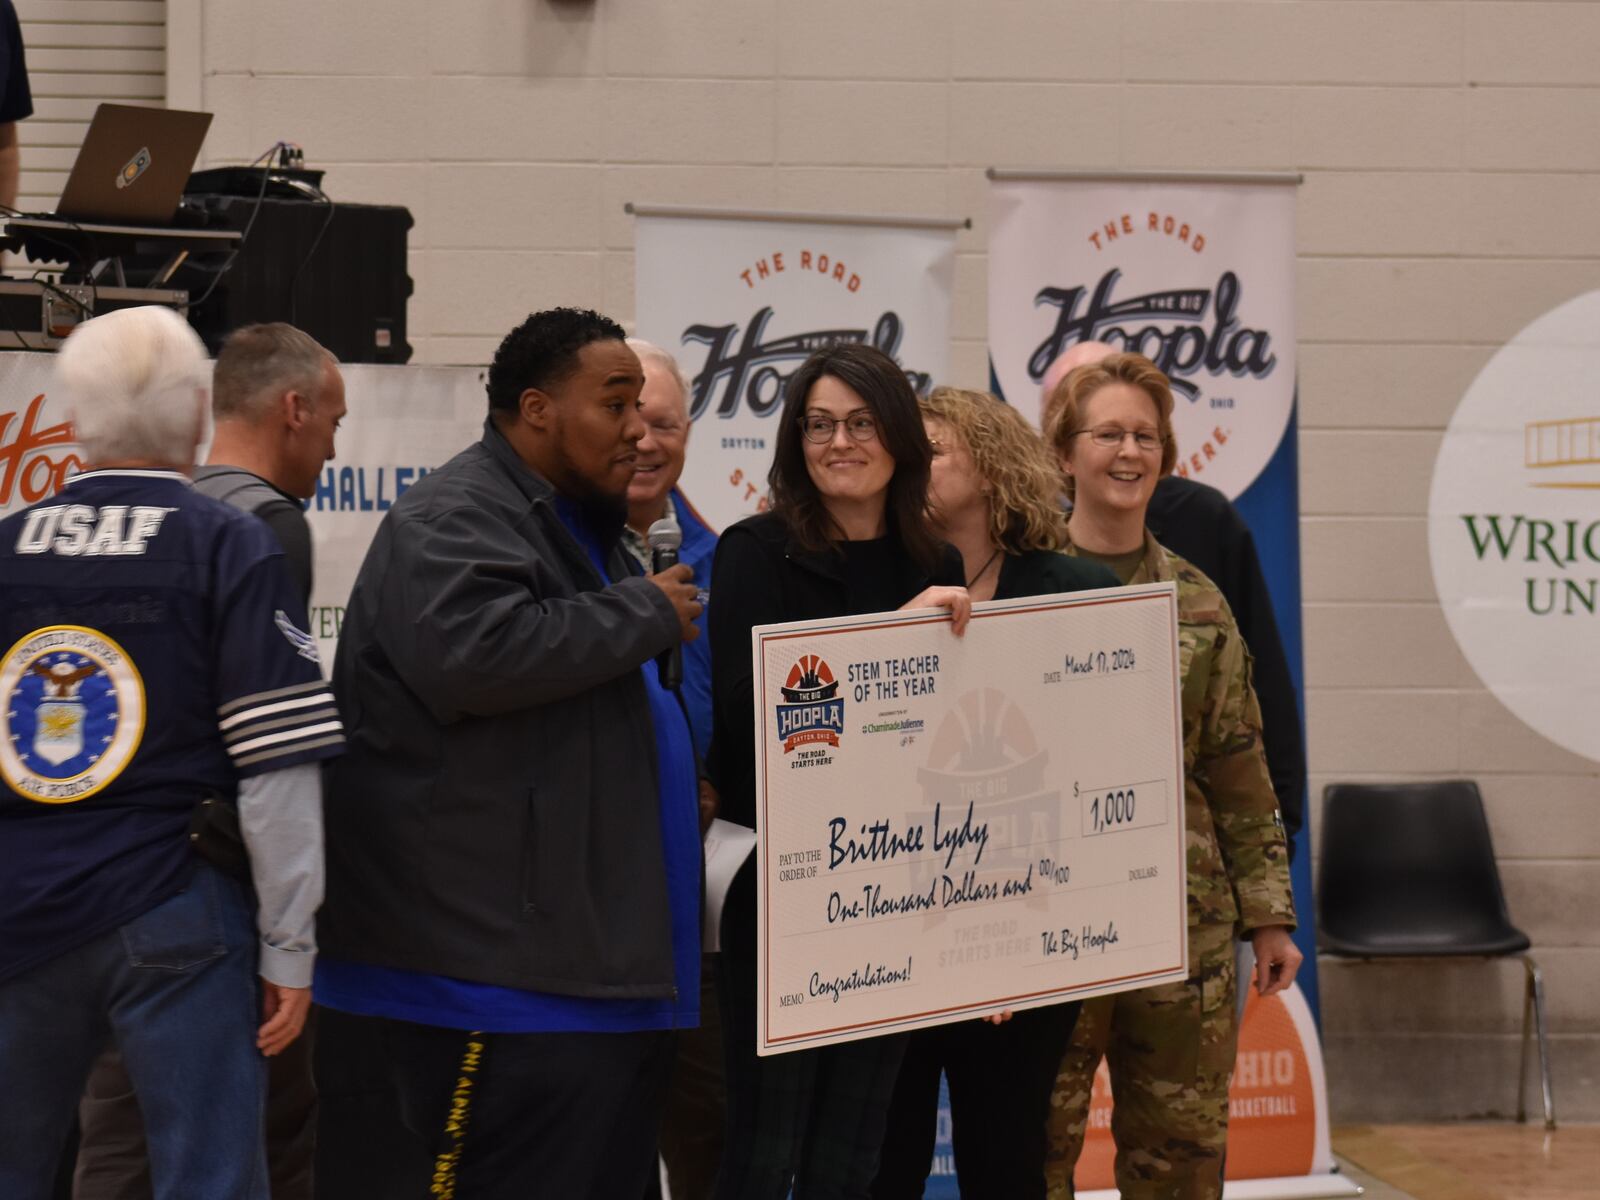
[[1408, 871]]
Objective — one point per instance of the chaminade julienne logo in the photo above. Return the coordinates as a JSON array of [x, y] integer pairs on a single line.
[[813, 710], [71, 713]]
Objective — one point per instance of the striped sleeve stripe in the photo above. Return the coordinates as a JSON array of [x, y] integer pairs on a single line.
[[251, 729], [298, 689], [267, 710], [287, 735], [296, 748]]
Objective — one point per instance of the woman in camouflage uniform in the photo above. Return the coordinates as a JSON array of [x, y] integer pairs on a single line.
[[1170, 1048]]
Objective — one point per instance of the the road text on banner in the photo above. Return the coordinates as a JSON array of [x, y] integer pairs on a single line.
[[1198, 277], [743, 300]]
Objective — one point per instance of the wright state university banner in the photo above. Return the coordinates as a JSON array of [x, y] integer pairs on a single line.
[[743, 298]]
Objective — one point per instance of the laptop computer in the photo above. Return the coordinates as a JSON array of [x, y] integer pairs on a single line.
[[133, 165]]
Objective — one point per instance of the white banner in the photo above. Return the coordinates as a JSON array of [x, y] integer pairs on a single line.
[[1514, 525], [402, 422], [948, 827], [1197, 276], [741, 302]]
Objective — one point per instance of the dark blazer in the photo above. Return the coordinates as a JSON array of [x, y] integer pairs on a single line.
[[1199, 523], [497, 817], [1044, 572], [760, 577]]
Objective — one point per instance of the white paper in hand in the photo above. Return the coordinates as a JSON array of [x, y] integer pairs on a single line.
[[727, 846]]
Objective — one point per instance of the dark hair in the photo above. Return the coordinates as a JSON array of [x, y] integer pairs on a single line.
[[879, 381], [543, 351]]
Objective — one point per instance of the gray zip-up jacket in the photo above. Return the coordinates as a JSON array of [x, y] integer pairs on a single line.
[[496, 817]]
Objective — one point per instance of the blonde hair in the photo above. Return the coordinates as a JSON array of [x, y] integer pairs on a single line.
[[1064, 417], [1024, 485]]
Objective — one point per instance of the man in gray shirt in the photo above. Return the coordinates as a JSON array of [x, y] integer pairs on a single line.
[[277, 400]]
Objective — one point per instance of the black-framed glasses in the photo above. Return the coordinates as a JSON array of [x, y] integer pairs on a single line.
[[818, 428], [1111, 437]]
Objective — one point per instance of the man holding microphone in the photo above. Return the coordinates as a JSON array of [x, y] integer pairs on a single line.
[[514, 854]]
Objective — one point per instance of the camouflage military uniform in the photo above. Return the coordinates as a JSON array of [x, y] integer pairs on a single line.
[[1170, 1048]]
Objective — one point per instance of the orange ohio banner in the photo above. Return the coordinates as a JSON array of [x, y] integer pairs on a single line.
[[1277, 1101]]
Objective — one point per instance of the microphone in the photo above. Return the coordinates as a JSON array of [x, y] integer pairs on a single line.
[[665, 537]]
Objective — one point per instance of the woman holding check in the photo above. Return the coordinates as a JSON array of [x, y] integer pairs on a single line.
[[1170, 1048], [995, 497], [846, 534]]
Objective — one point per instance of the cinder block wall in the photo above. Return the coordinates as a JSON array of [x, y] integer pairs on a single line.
[[1452, 194]]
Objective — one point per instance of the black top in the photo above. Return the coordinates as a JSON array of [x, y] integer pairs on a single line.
[[16, 100], [1199, 523], [260, 497], [497, 817], [1044, 572], [760, 578], [871, 576]]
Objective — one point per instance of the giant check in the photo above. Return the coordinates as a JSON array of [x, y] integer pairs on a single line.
[[949, 827]]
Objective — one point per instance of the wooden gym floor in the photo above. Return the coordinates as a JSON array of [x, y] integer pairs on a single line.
[[1472, 1160]]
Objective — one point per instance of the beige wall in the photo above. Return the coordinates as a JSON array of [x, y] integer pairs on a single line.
[[1452, 194]]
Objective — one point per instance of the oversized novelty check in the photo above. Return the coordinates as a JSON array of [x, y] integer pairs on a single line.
[[949, 827]]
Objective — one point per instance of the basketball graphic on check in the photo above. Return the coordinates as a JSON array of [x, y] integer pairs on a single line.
[[983, 732], [984, 759]]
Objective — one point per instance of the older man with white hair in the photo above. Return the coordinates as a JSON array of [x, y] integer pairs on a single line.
[[692, 1119], [654, 494], [277, 399], [162, 714]]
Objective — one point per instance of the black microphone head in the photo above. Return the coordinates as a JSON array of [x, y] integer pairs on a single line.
[[664, 534]]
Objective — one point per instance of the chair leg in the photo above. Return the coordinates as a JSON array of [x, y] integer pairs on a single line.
[[1536, 991], [1527, 1038]]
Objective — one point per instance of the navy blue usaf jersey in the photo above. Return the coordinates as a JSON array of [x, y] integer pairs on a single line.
[[154, 652]]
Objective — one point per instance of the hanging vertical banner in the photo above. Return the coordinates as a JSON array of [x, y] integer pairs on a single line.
[[1196, 276], [1196, 272], [402, 422], [743, 298]]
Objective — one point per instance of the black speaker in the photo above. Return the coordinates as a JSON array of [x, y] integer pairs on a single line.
[[336, 271]]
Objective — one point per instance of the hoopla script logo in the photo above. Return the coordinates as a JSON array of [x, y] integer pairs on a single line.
[[1184, 331], [812, 711], [1203, 286], [749, 371]]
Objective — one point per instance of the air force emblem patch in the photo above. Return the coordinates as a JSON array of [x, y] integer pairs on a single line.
[[72, 711], [304, 644]]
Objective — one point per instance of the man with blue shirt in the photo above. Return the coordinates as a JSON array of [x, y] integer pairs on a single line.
[[654, 494], [692, 1123], [158, 669], [514, 856]]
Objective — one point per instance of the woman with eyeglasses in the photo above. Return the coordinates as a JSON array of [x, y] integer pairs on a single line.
[[995, 497], [846, 533], [1170, 1048]]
